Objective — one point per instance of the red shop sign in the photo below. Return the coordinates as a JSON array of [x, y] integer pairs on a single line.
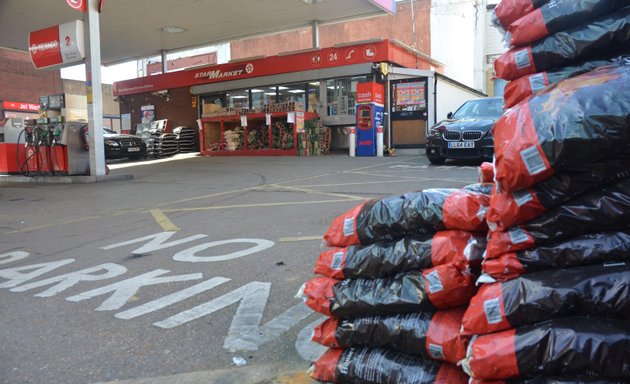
[[17, 106]]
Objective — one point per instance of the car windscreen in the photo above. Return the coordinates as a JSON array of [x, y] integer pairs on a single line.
[[480, 108], [109, 132]]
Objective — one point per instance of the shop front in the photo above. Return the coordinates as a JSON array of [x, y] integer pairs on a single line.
[[285, 104]]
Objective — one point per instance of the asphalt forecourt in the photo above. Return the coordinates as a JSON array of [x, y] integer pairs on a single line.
[[186, 273]]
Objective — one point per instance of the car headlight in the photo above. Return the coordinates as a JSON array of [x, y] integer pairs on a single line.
[[112, 143]]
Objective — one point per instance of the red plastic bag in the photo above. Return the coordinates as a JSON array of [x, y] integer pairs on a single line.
[[557, 16], [379, 366], [407, 254], [604, 209], [545, 295], [579, 120], [508, 209], [412, 214], [429, 335], [568, 346], [603, 36], [522, 88], [508, 11], [593, 248], [442, 287], [486, 172]]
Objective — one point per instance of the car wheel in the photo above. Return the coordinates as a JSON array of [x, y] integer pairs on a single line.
[[436, 160]]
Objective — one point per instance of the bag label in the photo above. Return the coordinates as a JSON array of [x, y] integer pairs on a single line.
[[337, 260], [522, 197], [522, 59], [517, 236], [436, 351], [348, 226], [533, 161], [537, 82], [435, 284], [492, 308]]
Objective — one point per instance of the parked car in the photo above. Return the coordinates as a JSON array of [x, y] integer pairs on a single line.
[[465, 134], [119, 145]]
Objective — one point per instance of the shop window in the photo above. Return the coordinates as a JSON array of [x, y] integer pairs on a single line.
[[312, 102], [262, 96], [238, 99], [341, 95], [292, 92]]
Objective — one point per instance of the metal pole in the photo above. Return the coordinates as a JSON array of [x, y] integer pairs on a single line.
[[413, 31], [94, 90], [164, 62], [315, 33]]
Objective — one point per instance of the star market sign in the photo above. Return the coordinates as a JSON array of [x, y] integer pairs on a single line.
[[219, 74]]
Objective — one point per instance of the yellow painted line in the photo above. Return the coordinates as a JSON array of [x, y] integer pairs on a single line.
[[381, 164], [314, 192], [73, 221], [163, 221], [211, 195], [257, 205], [358, 183], [296, 239]]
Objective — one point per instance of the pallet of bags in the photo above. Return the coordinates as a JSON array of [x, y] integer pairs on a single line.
[[554, 301], [395, 289]]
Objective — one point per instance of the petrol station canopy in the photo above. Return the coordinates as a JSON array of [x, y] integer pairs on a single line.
[[141, 28]]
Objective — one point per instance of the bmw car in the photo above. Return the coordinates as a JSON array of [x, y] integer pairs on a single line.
[[118, 145], [467, 133]]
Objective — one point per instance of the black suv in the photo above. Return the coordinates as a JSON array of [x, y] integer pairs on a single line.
[[465, 134], [118, 145]]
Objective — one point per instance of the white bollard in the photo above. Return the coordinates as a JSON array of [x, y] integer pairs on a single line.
[[352, 141], [379, 141]]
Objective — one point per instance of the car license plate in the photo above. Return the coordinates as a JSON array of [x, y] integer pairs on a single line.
[[461, 144], [133, 149]]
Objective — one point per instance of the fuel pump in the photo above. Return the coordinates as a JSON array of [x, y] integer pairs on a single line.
[[51, 145]]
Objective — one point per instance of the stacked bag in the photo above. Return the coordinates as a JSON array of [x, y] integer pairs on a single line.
[[554, 40], [555, 301], [395, 284]]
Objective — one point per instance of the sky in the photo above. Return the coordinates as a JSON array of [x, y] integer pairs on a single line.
[[109, 74]]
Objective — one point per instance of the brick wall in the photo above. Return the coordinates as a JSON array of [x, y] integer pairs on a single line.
[[20, 81], [398, 26], [178, 108]]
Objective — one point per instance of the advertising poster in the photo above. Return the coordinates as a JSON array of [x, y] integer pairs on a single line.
[[148, 113]]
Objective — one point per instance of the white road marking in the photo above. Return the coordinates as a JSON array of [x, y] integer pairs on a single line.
[[123, 290], [309, 350], [173, 298], [189, 254], [68, 280], [157, 242], [251, 294], [13, 256], [16, 278], [249, 336]]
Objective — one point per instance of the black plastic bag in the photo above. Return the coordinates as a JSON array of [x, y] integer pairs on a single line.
[[411, 214], [592, 248], [408, 254], [380, 366], [522, 88], [442, 287], [605, 209], [508, 209], [429, 335], [554, 380], [568, 346], [605, 35], [603, 290], [579, 120], [508, 11], [556, 16]]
